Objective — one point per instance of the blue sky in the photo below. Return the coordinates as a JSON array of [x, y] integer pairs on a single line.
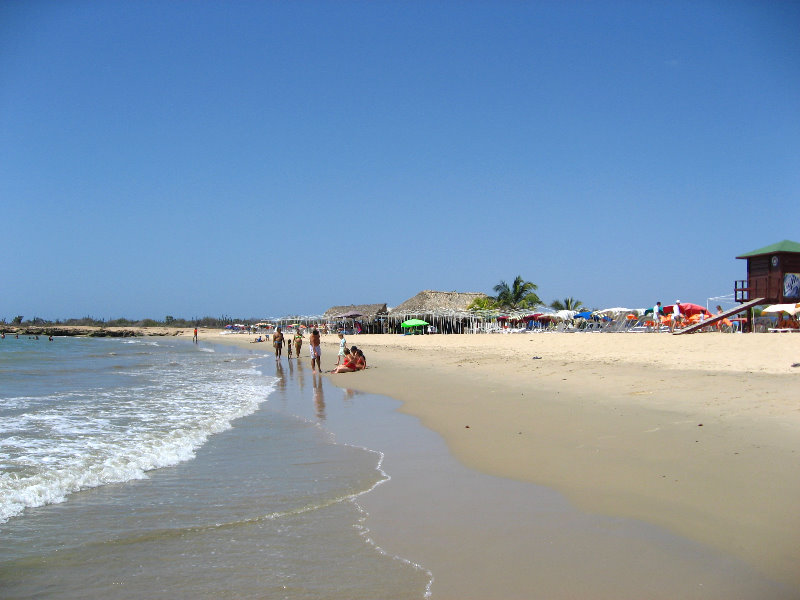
[[272, 158]]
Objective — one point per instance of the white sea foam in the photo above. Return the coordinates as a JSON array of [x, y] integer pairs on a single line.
[[54, 445]]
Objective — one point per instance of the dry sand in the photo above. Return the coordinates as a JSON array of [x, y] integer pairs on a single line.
[[698, 434]]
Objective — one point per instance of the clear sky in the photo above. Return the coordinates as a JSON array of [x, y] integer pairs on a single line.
[[272, 158]]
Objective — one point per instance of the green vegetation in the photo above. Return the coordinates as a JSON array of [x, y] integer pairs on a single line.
[[520, 294], [566, 304], [485, 303]]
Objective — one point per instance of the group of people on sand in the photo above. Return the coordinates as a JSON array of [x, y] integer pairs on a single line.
[[349, 359], [279, 341], [675, 318]]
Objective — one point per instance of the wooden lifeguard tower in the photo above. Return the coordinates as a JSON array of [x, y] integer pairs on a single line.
[[773, 273], [773, 277]]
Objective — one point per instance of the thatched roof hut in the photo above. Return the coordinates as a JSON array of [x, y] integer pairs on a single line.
[[446, 312], [429, 301], [366, 312]]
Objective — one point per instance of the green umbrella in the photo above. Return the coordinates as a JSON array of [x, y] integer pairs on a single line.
[[413, 323]]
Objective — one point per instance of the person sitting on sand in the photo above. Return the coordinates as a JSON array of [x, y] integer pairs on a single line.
[[277, 342], [361, 360], [350, 363]]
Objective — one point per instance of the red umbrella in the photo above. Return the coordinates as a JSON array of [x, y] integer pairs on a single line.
[[688, 309]]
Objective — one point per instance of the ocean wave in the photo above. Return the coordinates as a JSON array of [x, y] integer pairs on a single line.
[[79, 440]]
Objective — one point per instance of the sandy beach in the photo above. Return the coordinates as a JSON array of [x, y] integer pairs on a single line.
[[697, 434]]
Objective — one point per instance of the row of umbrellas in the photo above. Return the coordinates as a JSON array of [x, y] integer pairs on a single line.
[[686, 308]]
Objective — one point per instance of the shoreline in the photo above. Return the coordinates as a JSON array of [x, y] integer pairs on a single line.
[[703, 442]]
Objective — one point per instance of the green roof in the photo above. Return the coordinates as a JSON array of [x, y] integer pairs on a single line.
[[784, 246]]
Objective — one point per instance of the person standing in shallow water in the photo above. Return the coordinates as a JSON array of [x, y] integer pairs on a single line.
[[298, 342], [277, 342], [194, 339], [316, 352]]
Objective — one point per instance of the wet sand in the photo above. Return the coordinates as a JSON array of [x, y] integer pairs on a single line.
[[697, 437]]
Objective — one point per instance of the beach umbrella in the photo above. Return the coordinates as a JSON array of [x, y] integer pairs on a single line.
[[688, 309], [584, 315], [413, 323], [792, 309], [613, 312], [565, 314]]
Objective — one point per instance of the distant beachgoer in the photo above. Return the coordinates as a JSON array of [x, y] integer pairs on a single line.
[[277, 342], [289, 349], [676, 317], [194, 339], [342, 349], [50, 339], [316, 352], [2, 336], [719, 324], [298, 342], [657, 312]]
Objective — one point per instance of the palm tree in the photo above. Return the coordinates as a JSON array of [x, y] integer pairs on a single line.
[[519, 295], [482, 303], [566, 304]]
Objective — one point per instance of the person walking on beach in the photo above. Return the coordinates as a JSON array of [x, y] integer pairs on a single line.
[[277, 342], [657, 311], [194, 339], [298, 342], [316, 352], [676, 316]]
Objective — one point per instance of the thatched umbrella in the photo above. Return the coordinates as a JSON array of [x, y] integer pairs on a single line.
[[445, 310]]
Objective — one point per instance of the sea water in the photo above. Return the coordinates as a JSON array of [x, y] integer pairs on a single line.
[[153, 467]]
